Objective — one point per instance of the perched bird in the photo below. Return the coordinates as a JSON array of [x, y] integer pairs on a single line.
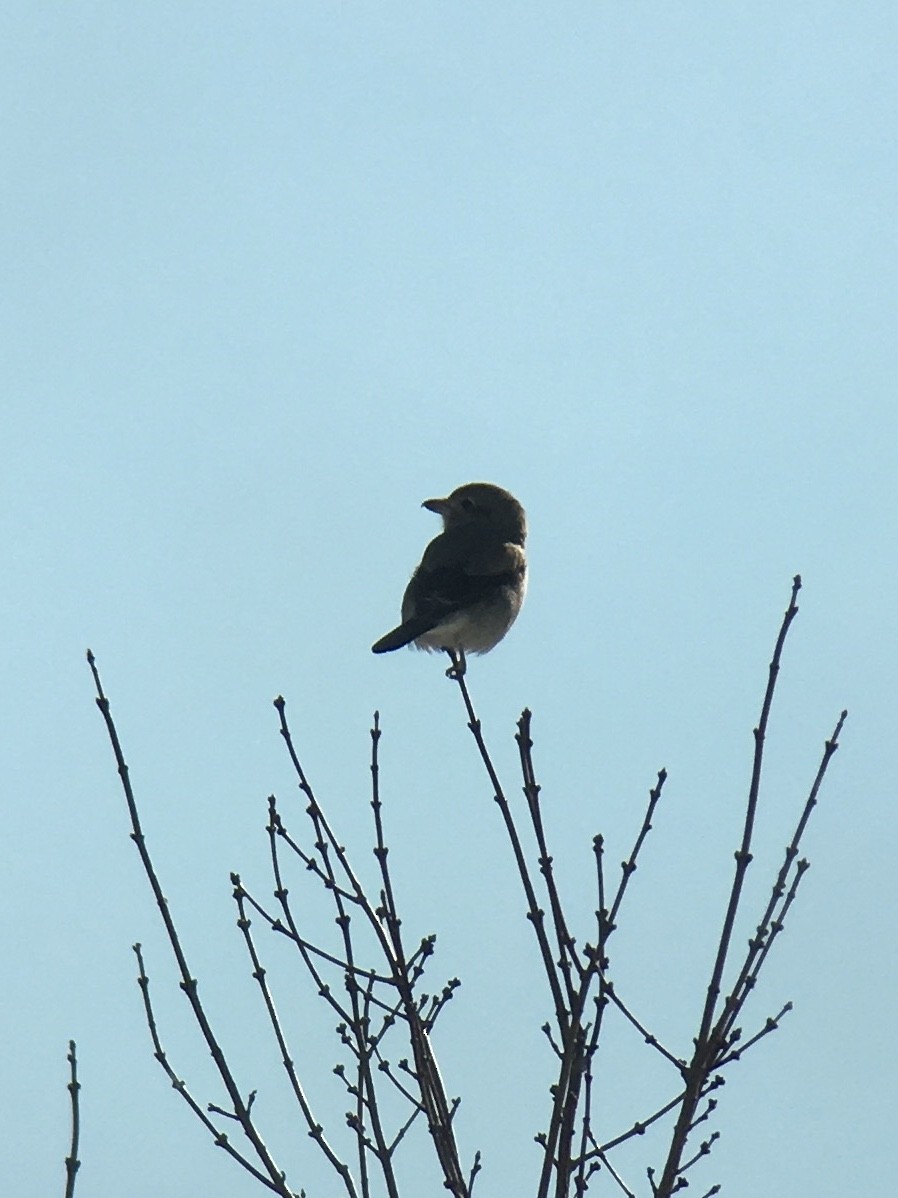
[[469, 587]]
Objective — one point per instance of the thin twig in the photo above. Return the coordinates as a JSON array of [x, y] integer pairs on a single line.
[[475, 1169], [72, 1164], [568, 957], [639, 1128], [400, 1134], [272, 1175], [361, 972], [771, 924], [606, 1164], [568, 1004], [743, 856], [433, 1091], [628, 867], [647, 1036], [704, 1148], [716, 1037], [387, 1070], [581, 1180], [598, 848], [534, 912], [772, 1024], [316, 1131], [219, 1137], [326, 844], [706, 1047], [385, 924]]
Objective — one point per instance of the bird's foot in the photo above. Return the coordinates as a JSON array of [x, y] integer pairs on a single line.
[[459, 665]]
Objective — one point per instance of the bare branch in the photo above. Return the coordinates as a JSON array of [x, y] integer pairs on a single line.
[[72, 1164], [568, 957], [640, 1127], [704, 1149], [716, 1037], [433, 1091], [371, 999], [219, 1137], [598, 848], [272, 1175], [475, 1169], [771, 923], [606, 1164], [316, 1130], [647, 1036], [628, 867], [534, 912], [743, 856], [772, 1025]]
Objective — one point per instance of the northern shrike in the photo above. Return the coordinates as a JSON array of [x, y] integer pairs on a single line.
[[469, 587]]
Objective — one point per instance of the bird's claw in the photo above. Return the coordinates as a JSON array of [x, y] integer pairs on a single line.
[[459, 665]]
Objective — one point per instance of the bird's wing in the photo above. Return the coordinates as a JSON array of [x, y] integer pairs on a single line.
[[460, 568]]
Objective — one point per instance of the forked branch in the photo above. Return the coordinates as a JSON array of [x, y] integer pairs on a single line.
[[268, 1172], [571, 972]]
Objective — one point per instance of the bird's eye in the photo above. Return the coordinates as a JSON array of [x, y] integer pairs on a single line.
[[468, 504]]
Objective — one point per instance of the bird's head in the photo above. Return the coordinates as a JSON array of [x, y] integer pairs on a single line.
[[482, 503]]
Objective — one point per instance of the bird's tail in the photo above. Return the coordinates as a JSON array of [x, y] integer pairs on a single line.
[[408, 631]]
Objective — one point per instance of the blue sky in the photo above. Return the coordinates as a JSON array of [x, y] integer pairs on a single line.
[[274, 275]]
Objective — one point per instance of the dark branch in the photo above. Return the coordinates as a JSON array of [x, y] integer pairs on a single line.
[[72, 1164]]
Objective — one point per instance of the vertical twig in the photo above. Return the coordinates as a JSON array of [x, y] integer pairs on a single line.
[[771, 922], [433, 1092], [567, 952], [72, 1164], [743, 856], [711, 1041], [535, 913], [387, 932], [316, 1131]]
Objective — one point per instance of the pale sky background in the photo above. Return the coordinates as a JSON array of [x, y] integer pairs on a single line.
[[273, 275]]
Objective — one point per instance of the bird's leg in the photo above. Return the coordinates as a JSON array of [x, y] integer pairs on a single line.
[[459, 665]]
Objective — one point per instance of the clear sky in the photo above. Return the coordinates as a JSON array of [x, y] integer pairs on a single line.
[[273, 275]]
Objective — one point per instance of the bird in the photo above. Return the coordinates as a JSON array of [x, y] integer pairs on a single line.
[[469, 586]]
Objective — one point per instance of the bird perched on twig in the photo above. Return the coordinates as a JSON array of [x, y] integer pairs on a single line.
[[469, 587]]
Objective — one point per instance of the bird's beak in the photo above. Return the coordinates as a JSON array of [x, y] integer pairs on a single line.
[[436, 505]]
